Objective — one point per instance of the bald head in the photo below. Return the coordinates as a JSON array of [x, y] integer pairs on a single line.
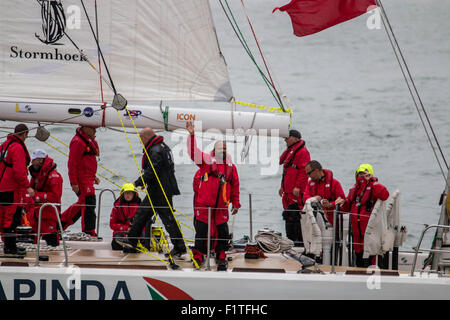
[[220, 150], [146, 134]]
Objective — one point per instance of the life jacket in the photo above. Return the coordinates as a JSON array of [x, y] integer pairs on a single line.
[[91, 145], [3, 154], [288, 157], [327, 181], [11, 140], [153, 141], [82, 163], [41, 176], [47, 184], [362, 194], [215, 183], [123, 213]]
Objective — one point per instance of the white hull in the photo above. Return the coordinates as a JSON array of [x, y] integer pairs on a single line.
[[52, 283], [140, 277], [237, 122]]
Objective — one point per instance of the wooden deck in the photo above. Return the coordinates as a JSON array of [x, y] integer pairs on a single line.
[[100, 255]]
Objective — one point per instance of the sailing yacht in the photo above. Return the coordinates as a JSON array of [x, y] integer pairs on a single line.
[[120, 64]]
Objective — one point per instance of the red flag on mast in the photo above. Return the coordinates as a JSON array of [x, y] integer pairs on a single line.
[[311, 16]]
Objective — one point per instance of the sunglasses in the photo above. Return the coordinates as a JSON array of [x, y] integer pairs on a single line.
[[309, 172]]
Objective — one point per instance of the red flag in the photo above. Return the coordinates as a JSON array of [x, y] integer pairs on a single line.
[[311, 16]]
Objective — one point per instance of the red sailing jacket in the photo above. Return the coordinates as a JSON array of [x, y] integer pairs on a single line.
[[13, 167], [82, 162], [294, 160], [328, 188], [196, 184], [210, 192], [48, 186], [360, 202], [123, 213]]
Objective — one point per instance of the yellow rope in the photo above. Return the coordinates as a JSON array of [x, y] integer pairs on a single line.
[[159, 182], [144, 250], [270, 109], [115, 174], [106, 169], [99, 174], [143, 182]]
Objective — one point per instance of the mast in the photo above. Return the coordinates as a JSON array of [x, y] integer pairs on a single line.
[[443, 220]]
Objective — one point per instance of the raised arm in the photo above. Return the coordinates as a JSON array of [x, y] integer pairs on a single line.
[[194, 152]]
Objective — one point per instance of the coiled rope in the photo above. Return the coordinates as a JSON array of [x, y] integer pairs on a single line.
[[272, 243]]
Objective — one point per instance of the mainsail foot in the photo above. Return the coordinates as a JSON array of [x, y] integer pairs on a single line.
[[212, 121]]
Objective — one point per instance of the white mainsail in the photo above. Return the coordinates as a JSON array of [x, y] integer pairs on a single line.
[[159, 50], [155, 50]]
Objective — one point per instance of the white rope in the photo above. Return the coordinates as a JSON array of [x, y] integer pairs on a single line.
[[272, 242], [31, 247], [79, 236]]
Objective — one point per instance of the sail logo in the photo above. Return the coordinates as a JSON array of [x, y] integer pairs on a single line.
[[53, 21], [88, 112], [132, 114], [26, 109], [186, 116]]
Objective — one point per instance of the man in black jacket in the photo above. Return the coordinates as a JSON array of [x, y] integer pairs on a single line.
[[163, 165]]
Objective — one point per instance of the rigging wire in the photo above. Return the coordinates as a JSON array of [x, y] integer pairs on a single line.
[[157, 178], [400, 58], [98, 47], [244, 44], [261, 53], [98, 55], [145, 185]]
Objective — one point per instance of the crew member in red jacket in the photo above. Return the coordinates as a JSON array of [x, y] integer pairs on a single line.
[[360, 202], [82, 164], [218, 187], [324, 187], [123, 213], [293, 183], [14, 184], [48, 185]]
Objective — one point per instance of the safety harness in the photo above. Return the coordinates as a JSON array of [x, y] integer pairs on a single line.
[[223, 180], [91, 149], [291, 164], [363, 198], [4, 153]]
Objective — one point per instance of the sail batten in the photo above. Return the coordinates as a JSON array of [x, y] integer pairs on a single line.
[[155, 50]]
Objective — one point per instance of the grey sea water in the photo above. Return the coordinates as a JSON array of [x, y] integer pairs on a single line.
[[350, 103]]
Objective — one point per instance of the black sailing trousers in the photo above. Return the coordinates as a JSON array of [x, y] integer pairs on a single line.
[[143, 217]]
